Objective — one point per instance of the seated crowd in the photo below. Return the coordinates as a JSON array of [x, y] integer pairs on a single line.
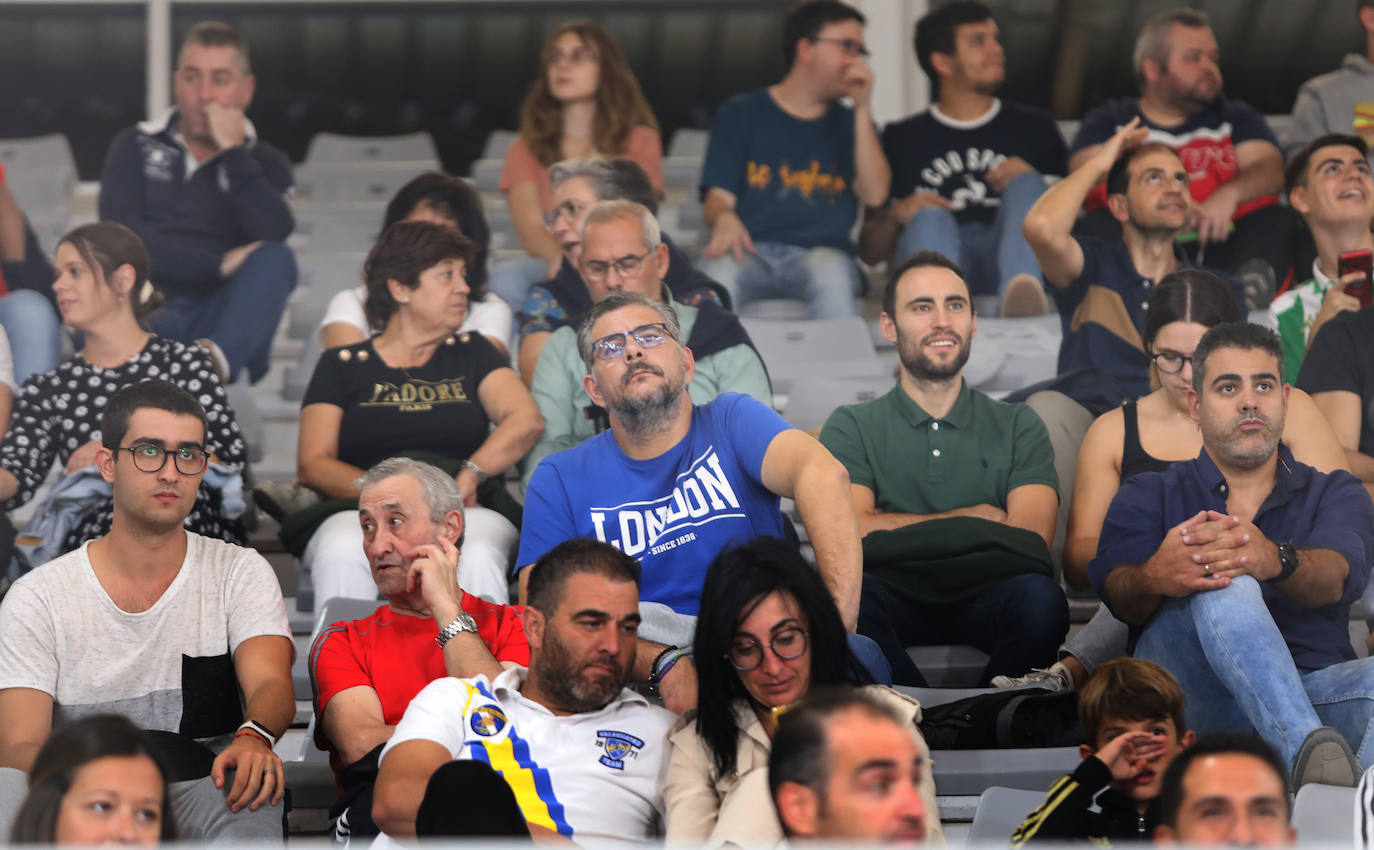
[[644, 646]]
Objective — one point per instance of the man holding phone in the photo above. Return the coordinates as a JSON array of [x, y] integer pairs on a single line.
[[1329, 185]]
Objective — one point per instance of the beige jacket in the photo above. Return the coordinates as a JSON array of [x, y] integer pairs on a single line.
[[738, 809]]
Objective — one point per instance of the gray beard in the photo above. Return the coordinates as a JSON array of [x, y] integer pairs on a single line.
[[647, 415]]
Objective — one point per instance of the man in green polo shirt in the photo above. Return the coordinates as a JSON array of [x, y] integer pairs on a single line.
[[956, 493]]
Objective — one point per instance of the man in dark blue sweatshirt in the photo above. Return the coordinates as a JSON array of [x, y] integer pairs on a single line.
[[210, 201]]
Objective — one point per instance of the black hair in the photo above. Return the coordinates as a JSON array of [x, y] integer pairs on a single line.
[[457, 199], [1243, 335], [159, 395], [1221, 743], [1189, 295], [936, 30], [737, 580], [1295, 173], [402, 253], [66, 751], [550, 573], [919, 260], [808, 18], [1119, 177]]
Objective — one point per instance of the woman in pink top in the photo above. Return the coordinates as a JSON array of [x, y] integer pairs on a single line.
[[585, 101]]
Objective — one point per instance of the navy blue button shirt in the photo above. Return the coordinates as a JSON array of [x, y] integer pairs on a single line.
[[1306, 508]]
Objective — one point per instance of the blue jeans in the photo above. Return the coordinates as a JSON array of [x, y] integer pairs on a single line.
[[242, 315], [871, 656], [826, 278], [989, 254], [1238, 674], [34, 330], [511, 279]]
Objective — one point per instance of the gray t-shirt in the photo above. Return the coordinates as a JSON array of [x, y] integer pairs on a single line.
[[168, 668]]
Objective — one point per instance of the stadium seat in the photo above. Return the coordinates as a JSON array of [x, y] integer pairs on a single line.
[[350, 183], [339, 148], [296, 380], [1000, 811], [971, 772], [41, 175], [322, 276], [810, 409], [682, 165], [949, 666], [798, 351], [486, 172], [249, 418], [337, 230], [1324, 816], [1009, 354]]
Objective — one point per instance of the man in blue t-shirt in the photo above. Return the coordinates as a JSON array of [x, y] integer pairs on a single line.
[[1234, 165], [787, 166], [1236, 571], [673, 484], [966, 171]]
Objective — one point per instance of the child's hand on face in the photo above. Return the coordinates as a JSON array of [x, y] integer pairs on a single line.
[[1127, 755]]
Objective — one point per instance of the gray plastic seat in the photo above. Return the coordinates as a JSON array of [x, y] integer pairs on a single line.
[[323, 275], [1325, 815], [811, 405], [1000, 811], [339, 230], [949, 666], [971, 772], [797, 351], [355, 182], [340, 148]]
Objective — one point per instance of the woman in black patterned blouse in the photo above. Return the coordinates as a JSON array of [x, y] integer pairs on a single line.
[[103, 291]]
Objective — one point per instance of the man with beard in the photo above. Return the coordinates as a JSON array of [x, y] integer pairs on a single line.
[[966, 171], [412, 520], [623, 250], [673, 484], [582, 756], [953, 475], [1236, 571], [1231, 156]]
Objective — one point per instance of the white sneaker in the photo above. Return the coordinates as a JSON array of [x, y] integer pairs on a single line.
[[1055, 678]]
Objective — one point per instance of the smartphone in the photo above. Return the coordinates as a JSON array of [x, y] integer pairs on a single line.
[[1358, 261]]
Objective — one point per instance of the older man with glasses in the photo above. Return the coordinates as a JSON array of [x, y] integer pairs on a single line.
[[622, 250], [672, 483]]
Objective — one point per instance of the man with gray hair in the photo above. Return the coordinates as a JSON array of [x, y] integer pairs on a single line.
[[365, 672], [1231, 155], [623, 250], [673, 483], [578, 185]]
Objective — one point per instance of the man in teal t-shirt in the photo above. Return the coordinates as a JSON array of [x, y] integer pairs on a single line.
[[934, 450]]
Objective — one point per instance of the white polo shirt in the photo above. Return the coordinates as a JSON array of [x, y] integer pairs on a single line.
[[595, 778]]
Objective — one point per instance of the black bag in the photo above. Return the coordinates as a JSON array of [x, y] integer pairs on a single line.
[[1010, 719]]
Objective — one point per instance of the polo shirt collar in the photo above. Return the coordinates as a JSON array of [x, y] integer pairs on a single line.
[[916, 416], [1290, 476], [1123, 257]]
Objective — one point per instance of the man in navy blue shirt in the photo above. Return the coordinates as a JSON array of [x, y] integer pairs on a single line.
[[1236, 571]]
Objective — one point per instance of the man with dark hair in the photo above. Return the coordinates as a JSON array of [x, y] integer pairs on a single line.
[[984, 576], [1329, 185], [1227, 148], [182, 634], [623, 250], [966, 171], [1338, 102], [788, 165], [579, 185], [1236, 571], [846, 767], [412, 519], [211, 202], [674, 483], [1226, 789], [583, 755]]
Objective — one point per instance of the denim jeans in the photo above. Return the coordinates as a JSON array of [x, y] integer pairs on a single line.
[[989, 253], [34, 330], [826, 278], [242, 315], [1102, 639], [1238, 674]]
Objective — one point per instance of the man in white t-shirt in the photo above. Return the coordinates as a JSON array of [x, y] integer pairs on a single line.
[[180, 633], [581, 756]]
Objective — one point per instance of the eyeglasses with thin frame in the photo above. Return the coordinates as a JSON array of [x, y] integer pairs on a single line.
[[652, 335], [571, 209], [786, 644], [150, 457], [627, 265], [851, 47], [1170, 362]]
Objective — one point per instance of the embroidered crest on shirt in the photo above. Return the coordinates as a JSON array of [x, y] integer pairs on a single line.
[[158, 159], [487, 721], [616, 747]]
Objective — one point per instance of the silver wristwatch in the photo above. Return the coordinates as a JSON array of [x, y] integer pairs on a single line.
[[481, 473], [462, 623]]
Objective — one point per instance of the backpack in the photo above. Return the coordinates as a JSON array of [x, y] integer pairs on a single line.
[[1010, 719]]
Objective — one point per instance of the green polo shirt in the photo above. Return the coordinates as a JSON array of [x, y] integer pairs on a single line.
[[977, 454]]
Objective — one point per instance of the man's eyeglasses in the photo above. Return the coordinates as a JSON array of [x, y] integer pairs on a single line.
[[148, 457], [611, 346], [628, 265], [851, 47], [787, 644], [1170, 362], [571, 209]]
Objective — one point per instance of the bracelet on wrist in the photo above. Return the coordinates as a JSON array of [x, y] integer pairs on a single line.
[[252, 727], [664, 662]]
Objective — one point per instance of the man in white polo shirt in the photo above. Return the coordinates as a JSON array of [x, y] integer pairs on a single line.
[[581, 756]]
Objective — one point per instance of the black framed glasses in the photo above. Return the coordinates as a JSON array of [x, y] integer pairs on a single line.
[[652, 335], [148, 457], [1170, 362], [626, 265], [851, 47], [786, 644]]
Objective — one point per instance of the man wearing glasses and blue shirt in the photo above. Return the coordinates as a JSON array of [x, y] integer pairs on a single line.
[[673, 484], [184, 635]]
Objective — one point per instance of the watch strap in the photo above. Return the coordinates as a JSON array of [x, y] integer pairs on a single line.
[[462, 623], [258, 729], [1288, 562]]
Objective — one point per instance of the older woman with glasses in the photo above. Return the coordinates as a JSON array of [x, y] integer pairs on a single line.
[[768, 633]]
